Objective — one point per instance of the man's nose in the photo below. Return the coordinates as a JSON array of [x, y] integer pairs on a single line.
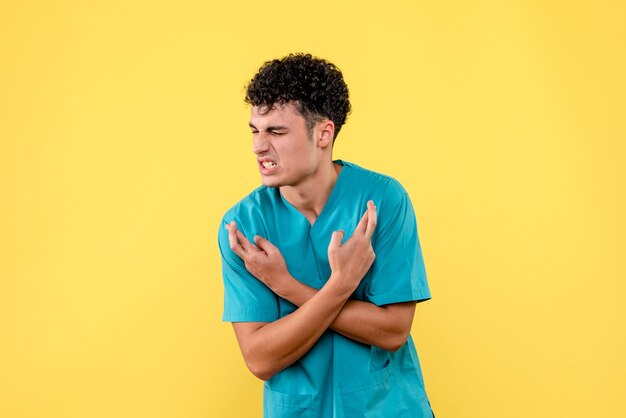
[[260, 144]]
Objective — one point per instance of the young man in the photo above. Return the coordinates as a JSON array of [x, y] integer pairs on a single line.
[[322, 264]]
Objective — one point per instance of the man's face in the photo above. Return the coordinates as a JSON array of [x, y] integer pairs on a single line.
[[285, 154]]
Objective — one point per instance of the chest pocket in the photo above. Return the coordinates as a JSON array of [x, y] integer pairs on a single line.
[[285, 405]]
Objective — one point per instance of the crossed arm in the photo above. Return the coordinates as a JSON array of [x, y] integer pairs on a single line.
[[269, 347]]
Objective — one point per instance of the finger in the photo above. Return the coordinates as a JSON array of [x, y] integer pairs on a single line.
[[362, 223], [264, 244], [232, 240], [371, 219], [247, 246], [335, 239]]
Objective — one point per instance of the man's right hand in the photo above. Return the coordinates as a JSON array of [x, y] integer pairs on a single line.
[[350, 261]]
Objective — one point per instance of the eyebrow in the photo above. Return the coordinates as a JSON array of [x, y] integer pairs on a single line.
[[270, 128]]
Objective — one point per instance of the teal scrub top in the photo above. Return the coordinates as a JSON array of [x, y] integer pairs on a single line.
[[338, 377]]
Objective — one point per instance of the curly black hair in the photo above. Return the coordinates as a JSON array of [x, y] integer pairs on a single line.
[[315, 85]]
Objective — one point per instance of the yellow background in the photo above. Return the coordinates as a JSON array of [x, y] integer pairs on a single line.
[[124, 138]]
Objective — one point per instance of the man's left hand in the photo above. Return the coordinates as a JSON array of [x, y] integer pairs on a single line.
[[263, 260]]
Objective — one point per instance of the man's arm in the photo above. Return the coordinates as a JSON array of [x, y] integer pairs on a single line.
[[386, 326], [270, 347]]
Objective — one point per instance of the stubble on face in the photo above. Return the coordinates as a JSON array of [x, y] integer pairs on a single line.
[[282, 135]]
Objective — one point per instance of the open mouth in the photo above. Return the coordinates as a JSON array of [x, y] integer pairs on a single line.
[[269, 164]]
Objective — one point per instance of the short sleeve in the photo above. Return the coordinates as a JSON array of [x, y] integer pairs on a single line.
[[398, 273], [246, 299]]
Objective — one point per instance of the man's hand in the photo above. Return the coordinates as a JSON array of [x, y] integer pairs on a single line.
[[351, 261], [263, 260], [386, 327]]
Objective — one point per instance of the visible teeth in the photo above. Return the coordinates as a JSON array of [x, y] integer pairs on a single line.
[[268, 164]]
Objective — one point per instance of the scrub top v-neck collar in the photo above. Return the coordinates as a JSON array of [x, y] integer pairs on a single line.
[[329, 203]]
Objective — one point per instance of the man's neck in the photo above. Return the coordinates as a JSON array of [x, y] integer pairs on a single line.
[[311, 196]]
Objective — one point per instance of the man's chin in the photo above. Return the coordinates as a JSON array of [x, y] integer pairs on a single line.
[[269, 182]]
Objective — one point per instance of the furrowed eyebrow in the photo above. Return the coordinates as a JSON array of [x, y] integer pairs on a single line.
[[276, 128], [270, 128]]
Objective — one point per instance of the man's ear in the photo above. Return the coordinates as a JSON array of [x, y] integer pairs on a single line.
[[326, 133]]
